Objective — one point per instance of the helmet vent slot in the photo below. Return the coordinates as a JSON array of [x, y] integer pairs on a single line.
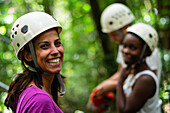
[[12, 36], [15, 32], [18, 44], [110, 22], [17, 25], [150, 35], [24, 29]]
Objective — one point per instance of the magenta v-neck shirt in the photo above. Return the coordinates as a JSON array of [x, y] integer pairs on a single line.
[[35, 100]]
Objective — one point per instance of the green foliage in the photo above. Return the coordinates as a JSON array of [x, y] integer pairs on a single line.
[[84, 65]]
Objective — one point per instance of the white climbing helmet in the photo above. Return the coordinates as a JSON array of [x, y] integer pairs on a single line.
[[146, 32], [116, 16], [29, 26]]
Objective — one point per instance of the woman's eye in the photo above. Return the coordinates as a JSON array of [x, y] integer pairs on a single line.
[[44, 46], [57, 43], [124, 46], [133, 48]]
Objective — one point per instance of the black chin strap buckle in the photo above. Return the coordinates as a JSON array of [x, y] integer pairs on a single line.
[[62, 84], [39, 70]]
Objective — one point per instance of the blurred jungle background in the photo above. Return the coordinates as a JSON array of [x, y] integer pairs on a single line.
[[89, 56]]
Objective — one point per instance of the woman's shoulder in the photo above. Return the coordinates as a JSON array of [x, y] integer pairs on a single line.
[[146, 74], [147, 80], [34, 99], [32, 90], [34, 93], [32, 96]]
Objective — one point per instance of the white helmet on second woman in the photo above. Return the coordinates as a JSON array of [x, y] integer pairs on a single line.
[[115, 17], [145, 32]]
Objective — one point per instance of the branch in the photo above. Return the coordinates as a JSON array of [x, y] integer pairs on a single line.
[[5, 39], [4, 86]]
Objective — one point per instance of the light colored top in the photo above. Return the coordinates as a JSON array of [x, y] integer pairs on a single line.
[[153, 61], [36, 100], [152, 105]]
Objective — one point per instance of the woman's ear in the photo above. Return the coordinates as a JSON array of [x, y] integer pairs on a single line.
[[147, 52], [27, 56], [124, 29]]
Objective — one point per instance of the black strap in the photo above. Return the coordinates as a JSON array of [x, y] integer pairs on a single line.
[[37, 67]]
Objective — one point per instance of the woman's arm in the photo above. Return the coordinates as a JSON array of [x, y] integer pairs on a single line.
[[143, 89], [109, 84]]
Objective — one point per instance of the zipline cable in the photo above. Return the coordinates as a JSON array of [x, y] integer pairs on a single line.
[[4, 86]]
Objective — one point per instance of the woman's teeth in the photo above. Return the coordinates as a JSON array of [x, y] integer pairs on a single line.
[[55, 61]]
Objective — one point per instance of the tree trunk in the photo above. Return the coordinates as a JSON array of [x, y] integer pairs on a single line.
[[163, 10], [109, 51], [48, 6]]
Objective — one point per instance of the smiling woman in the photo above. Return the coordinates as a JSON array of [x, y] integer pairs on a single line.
[[138, 86], [36, 42], [49, 51], [132, 47]]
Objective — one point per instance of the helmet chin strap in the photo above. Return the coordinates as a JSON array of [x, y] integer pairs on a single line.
[[141, 59], [61, 83], [41, 71], [37, 67]]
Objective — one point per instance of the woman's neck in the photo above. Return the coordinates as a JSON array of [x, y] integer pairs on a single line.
[[47, 82], [141, 67]]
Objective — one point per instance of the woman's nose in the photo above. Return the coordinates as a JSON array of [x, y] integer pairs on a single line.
[[125, 50], [54, 50]]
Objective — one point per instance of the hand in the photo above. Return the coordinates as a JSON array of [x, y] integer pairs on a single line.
[[125, 72], [104, 87]]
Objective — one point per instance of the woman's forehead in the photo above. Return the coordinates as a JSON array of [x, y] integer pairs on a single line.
[[50, 34], [132, 39]]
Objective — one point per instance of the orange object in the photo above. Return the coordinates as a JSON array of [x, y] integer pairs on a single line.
[[100, 104]]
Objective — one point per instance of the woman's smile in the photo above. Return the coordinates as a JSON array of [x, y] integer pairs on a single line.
[[54, 62], [49, 51], [132, 48]]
